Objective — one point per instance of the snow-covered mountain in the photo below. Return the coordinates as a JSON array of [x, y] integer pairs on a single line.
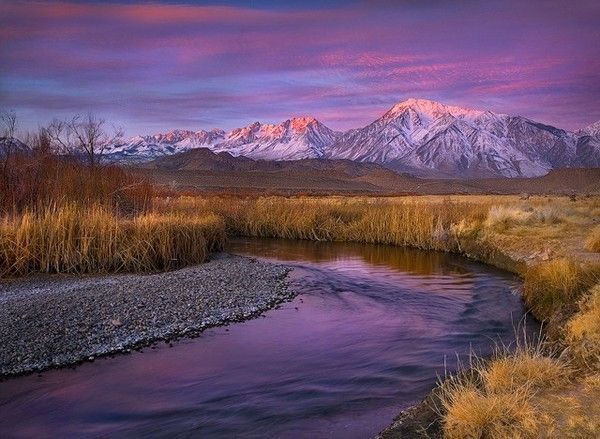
[[418, 136], [293, 139], [592, 130], [588, 146], [141, 148], [429, 138], [296, 138]]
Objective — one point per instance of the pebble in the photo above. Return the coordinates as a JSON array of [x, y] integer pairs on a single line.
[[70, 319]]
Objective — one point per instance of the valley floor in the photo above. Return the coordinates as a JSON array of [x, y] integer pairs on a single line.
[[321, 177]]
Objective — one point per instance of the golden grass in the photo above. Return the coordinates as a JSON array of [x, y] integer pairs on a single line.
[[549, 285], [592, 243], [583, 331], [471, 413], [72, 239], [504, 217], [524, 369], [409, 221], [494, 399]]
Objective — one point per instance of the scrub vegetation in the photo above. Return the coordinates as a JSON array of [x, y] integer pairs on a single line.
[[64, 211]]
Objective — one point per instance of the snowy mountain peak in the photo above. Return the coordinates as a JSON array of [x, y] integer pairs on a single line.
[[173, 136], [425, 137], [431, 109], [213, 131], [300, 124], [591, 130], [295, 138]]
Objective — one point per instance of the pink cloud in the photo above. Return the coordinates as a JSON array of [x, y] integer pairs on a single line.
[[342, 62]]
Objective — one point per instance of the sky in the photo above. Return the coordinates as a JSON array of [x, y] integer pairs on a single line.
[[155, 66]]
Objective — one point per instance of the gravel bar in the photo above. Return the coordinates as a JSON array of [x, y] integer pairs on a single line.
[[54, 321]]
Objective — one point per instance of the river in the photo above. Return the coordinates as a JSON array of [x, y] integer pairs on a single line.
[[371, 330]]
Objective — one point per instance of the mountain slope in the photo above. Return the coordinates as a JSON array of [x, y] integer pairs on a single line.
[[201, 159], [293, 139], [203, 170], [429, 138], [142, 148], [588, 146]]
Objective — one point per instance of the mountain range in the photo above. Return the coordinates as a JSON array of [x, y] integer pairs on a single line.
[[417, 136]]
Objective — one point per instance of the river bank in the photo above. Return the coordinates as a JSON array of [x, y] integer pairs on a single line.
[[367, 334], [55, 321]]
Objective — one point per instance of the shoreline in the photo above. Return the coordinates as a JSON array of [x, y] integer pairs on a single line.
[[82, 318], [419, 420]]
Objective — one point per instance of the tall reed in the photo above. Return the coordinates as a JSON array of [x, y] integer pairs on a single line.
[[405, 222], [74, 239]]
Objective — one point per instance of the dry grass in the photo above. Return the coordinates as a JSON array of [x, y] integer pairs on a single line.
[[471, 413], [592, 243], [494, 399], [552, 284], [72, 239], [524, 369], [504, 217], [410, 221], [583, 331], [571, 412]]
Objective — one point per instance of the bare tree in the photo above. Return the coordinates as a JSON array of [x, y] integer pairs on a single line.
[[83, 136], [8, 143], [9, 123], [40, 142], [8, 120]]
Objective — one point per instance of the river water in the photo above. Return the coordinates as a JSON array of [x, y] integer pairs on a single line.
[[373, 328]]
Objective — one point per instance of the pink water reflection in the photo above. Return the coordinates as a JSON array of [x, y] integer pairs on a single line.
[[366, 337]]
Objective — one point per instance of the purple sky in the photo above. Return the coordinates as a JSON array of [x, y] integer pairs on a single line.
[[155, 67]]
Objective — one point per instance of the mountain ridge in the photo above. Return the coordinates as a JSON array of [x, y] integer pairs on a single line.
[[419, 136]]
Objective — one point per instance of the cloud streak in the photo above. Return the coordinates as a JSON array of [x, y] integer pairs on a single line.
[[161, 66]]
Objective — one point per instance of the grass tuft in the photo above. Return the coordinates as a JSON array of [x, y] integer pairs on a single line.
[[551, 284], [501, 217], [494, 399], [583, 331], [592, 243], [525, 368], [471, 413]]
